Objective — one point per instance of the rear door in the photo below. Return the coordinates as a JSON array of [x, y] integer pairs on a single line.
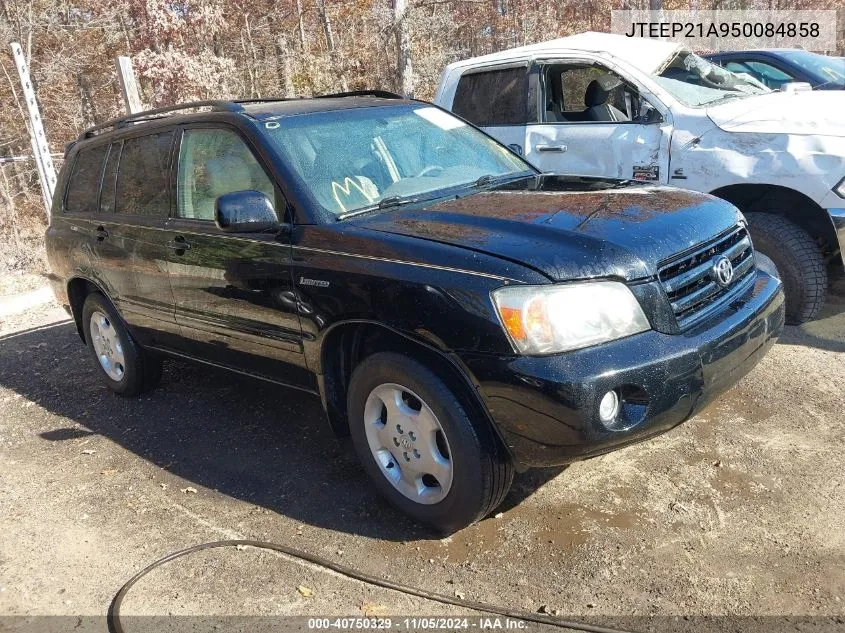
[[500, 100], [135, 203], [80, 217], [235, 299], [568, 141]]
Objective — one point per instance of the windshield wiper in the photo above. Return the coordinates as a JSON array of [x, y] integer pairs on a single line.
[[384, 203], [733, 95], [489, 179]]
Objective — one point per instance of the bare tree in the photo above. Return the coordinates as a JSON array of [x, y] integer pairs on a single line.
[[337, 62], [402, 33]]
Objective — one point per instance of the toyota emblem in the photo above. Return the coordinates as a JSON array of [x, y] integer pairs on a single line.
[[723, 271]]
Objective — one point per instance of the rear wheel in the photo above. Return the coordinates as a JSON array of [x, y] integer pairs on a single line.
[[422, 450], [799, 262], [125, 368]]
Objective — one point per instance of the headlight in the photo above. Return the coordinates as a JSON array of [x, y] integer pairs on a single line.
[[557, 318], [840, 188]]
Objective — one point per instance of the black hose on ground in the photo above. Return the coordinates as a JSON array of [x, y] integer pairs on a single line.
[[115, 625]]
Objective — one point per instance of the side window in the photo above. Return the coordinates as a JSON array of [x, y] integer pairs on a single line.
[[574, 84], [213, 162], [110, 179], [83, 187], [496, 97], [142, 176], [772, 77], [589, 93]]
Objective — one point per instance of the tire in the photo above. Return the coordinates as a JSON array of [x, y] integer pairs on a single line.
[[799, 262], [481, 471], [124, 367]]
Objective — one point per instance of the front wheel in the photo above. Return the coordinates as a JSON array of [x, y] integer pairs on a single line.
[[422, 450], [799, 262]]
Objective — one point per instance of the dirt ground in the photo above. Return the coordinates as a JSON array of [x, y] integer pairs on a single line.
[[740, 511]]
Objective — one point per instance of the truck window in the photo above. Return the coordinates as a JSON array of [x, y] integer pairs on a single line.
[[143, 175], [495, 97], [588, 93], [84, 186]]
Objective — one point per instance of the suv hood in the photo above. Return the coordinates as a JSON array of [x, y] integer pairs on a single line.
[[803, 112], [569, 227]]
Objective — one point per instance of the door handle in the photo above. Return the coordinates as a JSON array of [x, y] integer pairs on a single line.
[[100, 233], [548, 147], [179, 244]]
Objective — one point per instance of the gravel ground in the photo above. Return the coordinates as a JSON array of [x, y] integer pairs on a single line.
[[738, 512]]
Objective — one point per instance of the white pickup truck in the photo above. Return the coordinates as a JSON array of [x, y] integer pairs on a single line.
[[605, 105]]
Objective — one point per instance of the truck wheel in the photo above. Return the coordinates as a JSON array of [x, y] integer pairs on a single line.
[[799, 262], [125, 368], [425, 454]]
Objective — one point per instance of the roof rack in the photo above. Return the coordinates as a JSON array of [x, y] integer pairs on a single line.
[[217, 105], [137, 117]]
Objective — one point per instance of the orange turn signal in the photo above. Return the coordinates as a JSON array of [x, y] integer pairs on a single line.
[[512, 320]]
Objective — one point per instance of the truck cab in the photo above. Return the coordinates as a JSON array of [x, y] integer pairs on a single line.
[[596, 104]]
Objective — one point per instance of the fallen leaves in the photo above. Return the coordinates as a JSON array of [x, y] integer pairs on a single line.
[[372, 609], [305, 592]]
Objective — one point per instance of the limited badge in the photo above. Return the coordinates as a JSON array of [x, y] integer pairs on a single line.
[[646, 172]]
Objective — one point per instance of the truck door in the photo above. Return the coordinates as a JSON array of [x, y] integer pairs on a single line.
[[595, 123], [498, 99]]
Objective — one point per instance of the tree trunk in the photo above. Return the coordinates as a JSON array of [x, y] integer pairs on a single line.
[[285, 68], [89, 113], [301, 23], [337, 63], [404, 68]]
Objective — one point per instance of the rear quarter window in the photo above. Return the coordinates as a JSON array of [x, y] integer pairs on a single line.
[[83, 189], [142, 177], [495, 97]]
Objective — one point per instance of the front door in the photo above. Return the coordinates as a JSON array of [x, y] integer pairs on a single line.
[[594, 124], [235, 300]]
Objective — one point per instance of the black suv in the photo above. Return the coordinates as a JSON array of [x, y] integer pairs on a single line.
[[459, 314]]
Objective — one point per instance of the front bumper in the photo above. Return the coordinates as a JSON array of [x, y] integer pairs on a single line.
[[546, 408]]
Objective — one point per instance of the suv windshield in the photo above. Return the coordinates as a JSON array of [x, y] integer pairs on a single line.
[[354, 159], [695, 82]]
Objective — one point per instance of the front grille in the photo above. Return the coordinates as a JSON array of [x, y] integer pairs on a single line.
[[691, 283]]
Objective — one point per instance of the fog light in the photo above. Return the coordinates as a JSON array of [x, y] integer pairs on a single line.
[[609, 407]]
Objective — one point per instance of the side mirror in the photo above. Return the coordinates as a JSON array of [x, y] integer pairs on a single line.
[[245, 212], [649, 114]]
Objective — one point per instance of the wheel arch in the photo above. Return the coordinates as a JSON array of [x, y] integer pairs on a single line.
[[793, 205], [78, 288], [347, 343]]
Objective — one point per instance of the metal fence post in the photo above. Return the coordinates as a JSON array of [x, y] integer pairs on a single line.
[[40, 147]]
